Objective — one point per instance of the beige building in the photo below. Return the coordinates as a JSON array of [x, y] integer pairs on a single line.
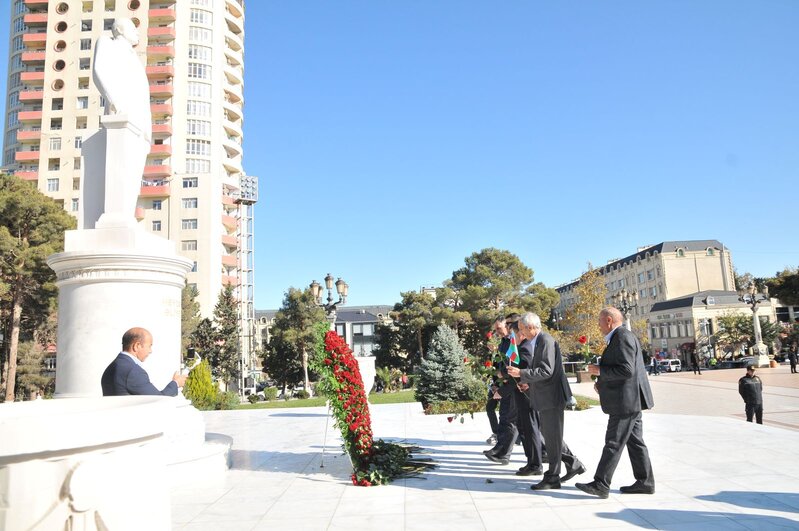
[[662, 272], [194, 189]]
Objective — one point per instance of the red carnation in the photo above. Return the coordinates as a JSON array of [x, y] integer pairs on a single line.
[[489, 335], [465, 360], [582, 340], [450, 419], [488, 365]]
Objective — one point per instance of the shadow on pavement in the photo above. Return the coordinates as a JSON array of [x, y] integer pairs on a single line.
[[775, 501], [672, 518]]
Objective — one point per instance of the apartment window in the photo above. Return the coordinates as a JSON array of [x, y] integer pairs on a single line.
[[52, 185], [54, 164], [190, 182], [198, 166], [188, 245], [199, 16], [658, 270], [198, 108], [81, 123], [680, 253], [653, 291], [57, 104], [83, 102], [55, 142], [156, 204], [19, 7], [189, 202], [85, 44], [55, 124], [13, 119], [85, 25], [201, 53], [75, 204], [17, 44], [650, 275], [13, 99], [78, 141], [199, 71], [200, 34], [85, 63], [188, 224], [198, 147], [710, 251], [156, 226], [19, 25], [108, 24], [203, 3], [199, 90], [194, 267], [641, 278], [198, 128], [642, 293], [83, 83]]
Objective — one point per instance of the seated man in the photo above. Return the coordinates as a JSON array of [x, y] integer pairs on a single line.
[[126, 376]]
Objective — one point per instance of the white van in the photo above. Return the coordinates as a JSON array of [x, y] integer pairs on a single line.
[[670, 365]]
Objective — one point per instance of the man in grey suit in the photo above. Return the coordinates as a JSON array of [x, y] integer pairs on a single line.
[[623, 392], [548, 392]]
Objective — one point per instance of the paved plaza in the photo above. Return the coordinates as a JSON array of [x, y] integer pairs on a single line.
[[712, 469]]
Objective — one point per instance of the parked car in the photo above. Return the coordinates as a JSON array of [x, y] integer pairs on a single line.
[[670, 365]]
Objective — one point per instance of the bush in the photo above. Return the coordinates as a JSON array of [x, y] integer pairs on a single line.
[[253, 398], [270, 393], [200, 388], [228, 400], [462, 407], [475, 390], [302, 394]]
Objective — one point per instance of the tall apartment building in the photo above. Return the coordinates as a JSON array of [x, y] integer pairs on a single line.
[[194, 189], [661, 272]]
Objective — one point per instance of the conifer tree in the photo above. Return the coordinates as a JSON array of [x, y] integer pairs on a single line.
[[200, 388], [442, 376], [225, 363]]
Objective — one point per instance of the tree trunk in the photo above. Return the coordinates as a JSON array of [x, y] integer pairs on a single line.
[[12, 348], [419, 339]]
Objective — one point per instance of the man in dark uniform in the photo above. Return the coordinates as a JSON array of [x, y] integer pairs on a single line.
[[750, 387]]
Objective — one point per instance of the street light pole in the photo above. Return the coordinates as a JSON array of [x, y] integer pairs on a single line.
[[342, 288], [625, 301], [751, 298]]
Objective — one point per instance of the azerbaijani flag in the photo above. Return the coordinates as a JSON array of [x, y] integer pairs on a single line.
[[513, 350]]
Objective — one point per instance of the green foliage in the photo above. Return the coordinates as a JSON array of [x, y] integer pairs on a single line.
[[736, 331], [400, 397], [189, 317], [270, 393], [475, 390], [225, 362], [390, 379], [31, 228], [30, 370], [582, 318], [295, 338], [456, 407], [200, 388], [302, 394], [442, 376], [403, 345], [253, 398], [785, 286], [227, 400]]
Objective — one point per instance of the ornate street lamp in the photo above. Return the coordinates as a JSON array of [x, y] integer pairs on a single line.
[[625, 301], [751, 298], [342, 288]]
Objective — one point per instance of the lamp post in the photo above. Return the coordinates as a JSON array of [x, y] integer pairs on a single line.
[[625, 301], [751, 298], [330, 307]]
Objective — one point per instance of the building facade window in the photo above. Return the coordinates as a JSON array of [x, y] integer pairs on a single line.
[[200, 16], [190, 182], [199, 71], [198, 147], [52, 185], [641, 278], [198, 166], [75, 204], [188, 224], [156, 204], [188, 245], [198, 108], [189, 202], [55, 143], [85, 44], [198, 127], [200, 53], [156, 226], [200, 34]]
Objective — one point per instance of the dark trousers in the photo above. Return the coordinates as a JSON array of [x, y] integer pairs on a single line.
[[754, 410], [625, 430], [697, 369], [552, 430], [793, 367], [529, 427], [506, 429], [491, 412]]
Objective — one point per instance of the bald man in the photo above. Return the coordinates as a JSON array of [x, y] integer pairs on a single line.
[[126, 376], [623, 392]]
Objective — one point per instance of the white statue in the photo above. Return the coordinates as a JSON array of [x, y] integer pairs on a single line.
[[116, 156], [120, 76]]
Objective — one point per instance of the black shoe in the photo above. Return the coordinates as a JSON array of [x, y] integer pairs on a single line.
[[572, 472], [637, 488], [546, 484], [498, 460], [528, 470], [593, 489]]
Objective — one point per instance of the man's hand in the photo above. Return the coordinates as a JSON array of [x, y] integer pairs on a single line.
[[496, 396], [523, 387], [179, 378], [596, 387], [593, 369], [514, 371]]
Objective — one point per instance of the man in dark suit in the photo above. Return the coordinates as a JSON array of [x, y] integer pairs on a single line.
[[507, 431], [527, 419], [623, 392], [126, 376], [548, 392]]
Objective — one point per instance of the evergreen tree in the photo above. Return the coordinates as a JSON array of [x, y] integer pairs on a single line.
[[30, 369], [225, 363], [442, 376], [200, 388], [31, 228], [189, 317], [204, 340]]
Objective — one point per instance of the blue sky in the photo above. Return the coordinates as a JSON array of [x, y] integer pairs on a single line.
[[393, 139]]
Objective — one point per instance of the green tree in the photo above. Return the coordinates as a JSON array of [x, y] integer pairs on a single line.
[[225, 363], [295, 338], [31, 228], [31, 378], [189, 316], [785, 286], [200, 388], [204, 340], [582, 317], [388, 350], [443, 375], [414, 322], [734, 332]]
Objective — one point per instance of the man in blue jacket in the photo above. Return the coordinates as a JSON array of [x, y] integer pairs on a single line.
[[126, 376]]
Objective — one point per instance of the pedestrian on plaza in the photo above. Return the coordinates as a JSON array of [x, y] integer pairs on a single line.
[[750, 387], [549, 393], [792, 356], [695, 363], [623, 393]]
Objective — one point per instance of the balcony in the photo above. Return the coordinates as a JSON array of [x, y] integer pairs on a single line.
[[234, 42], [162, 89], [232, 148], [159, 71], [35, 19], [161, 149], [233, 128], [33, 4], [161, 51], [228, 200], [162, 129], [30, 116], [154, 191], [230, 222], [27, 135], [228, 280], [161, 33], [234, 74], [232, 165], [26, 156], [161, 109], [234, 7], [32, 78], [35, 40], [158, 171], [235, 25], [233, 93], [163, 14], [232, 111], [27, 175], [229, 241], [230, 260], [31, 95], [33, 57]]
